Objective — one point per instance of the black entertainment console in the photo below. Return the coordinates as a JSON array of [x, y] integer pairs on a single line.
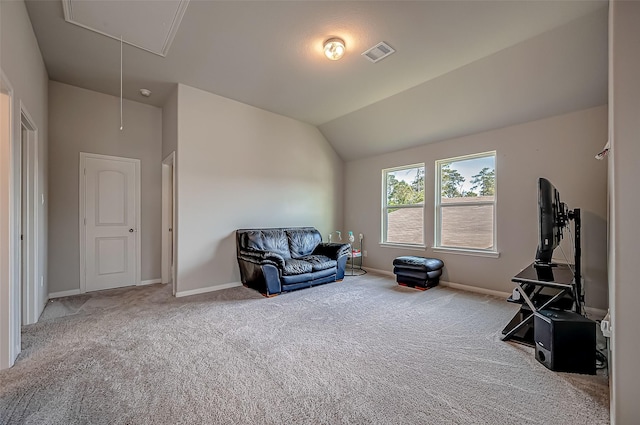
[[536, 292], [544, 286], [550, 317]]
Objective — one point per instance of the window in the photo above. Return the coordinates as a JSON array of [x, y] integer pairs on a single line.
[[466, 203], [403, 205]]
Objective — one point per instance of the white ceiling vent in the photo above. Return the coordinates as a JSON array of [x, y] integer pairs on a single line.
[[378, 52]]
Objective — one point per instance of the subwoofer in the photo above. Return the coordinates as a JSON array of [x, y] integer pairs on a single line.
[[565, 341]]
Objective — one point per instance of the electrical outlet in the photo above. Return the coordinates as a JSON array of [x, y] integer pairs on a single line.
[[605, 325], [364, 253]]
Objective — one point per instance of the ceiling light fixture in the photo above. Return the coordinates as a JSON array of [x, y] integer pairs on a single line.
[[145, 92], [334, 48]]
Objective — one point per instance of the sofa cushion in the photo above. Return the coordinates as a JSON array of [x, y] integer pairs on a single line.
[[309, 278], [319, 281], [320, 262], [303, 278], [274, 240], [303, 241], [293, 266]]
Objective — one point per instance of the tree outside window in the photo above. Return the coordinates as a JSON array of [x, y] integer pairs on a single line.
[[465, 207], [403, 205]]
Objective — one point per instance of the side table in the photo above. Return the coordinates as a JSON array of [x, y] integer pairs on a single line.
[[353, 254]]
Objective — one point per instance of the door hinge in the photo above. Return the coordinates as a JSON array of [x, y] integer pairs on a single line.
[[21, 237], [85, 221]]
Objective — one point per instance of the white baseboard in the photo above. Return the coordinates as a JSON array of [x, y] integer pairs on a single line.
[[460, 286], [595, 313], [61, 294], [77, 291], [150, 282], [383, 272], [592, 312], [475, 289], [207, 289]]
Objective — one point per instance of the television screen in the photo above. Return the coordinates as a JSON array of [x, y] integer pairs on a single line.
[[552, 217]]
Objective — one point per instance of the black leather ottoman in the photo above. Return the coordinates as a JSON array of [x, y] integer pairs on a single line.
[[417, 272]]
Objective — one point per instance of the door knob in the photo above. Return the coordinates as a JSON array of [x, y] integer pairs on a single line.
[[131, 230]]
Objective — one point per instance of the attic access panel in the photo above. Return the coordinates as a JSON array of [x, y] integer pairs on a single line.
[[148, 25]]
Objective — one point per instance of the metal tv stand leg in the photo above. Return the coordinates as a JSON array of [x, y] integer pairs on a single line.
[[528, 319]]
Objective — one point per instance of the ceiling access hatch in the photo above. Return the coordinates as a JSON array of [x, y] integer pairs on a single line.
[[378, 52], [147, 25]]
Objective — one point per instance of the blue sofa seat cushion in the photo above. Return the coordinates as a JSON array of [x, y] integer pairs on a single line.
[[308, 277], [320, 262], [294, 266]]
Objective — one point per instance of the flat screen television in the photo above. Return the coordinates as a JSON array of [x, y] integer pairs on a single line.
[[552, 218]]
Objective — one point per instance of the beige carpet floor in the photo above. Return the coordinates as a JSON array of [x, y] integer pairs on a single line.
[[363, 351]]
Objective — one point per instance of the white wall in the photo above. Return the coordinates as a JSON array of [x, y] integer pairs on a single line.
[[22, 63], [560, 148], [169, 145], [624, 98], [243, 167], [170, 124], [87, 121]]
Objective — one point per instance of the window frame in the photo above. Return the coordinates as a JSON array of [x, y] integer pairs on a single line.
[[438, 205], [385, 208]]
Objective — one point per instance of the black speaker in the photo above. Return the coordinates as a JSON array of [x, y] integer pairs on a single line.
[[565, 341]]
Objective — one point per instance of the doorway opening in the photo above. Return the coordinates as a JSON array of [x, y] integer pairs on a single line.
[[168, 221], [31, 279], [9, 293]]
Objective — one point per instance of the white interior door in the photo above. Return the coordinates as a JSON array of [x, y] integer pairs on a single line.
[[111, 209]]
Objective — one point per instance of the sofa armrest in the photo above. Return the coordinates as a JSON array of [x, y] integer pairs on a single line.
[[263, 276], [261, 257], [332, 250]]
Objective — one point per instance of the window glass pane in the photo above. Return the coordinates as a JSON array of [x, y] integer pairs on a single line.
[[464, 183], [467, 226], [405, 187], [405, 225], [468, 178]]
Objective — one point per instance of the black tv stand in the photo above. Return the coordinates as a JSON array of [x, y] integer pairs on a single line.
[[538, 289], [546, 285]]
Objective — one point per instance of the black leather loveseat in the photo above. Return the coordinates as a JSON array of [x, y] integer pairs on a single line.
[[283, 259]]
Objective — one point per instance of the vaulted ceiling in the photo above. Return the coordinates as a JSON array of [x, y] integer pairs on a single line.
[[460, 67]]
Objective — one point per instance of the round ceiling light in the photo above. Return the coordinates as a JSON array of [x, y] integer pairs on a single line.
[[334, 48]]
